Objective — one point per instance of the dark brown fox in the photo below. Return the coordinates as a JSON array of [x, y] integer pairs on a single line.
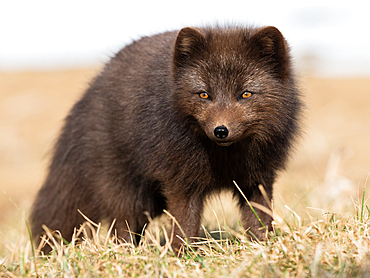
[[170, 120]]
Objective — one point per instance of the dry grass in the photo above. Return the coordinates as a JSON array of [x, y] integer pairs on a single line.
[[319, 231], [331, 246]]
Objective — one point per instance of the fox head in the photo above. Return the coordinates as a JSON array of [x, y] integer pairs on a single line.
[[235, 83]]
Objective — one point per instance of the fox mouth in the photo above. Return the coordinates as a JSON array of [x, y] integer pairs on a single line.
[[224, 143]]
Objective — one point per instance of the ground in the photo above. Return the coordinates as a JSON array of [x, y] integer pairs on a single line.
[[328, 168]]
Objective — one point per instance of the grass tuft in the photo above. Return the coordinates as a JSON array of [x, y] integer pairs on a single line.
[[329, 246]]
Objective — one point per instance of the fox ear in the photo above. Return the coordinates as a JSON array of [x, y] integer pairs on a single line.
[[190, 44], [270, 46]]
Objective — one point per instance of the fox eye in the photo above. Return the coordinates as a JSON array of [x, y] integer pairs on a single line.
[[246, 94], [204, 95]]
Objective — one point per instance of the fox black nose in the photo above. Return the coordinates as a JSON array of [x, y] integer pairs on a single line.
[[221, 132]]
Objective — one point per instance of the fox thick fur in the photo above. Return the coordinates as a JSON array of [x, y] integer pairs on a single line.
[[171, 119]]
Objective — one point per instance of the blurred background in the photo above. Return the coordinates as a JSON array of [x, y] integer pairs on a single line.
[[50, 50], [329, 37]]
